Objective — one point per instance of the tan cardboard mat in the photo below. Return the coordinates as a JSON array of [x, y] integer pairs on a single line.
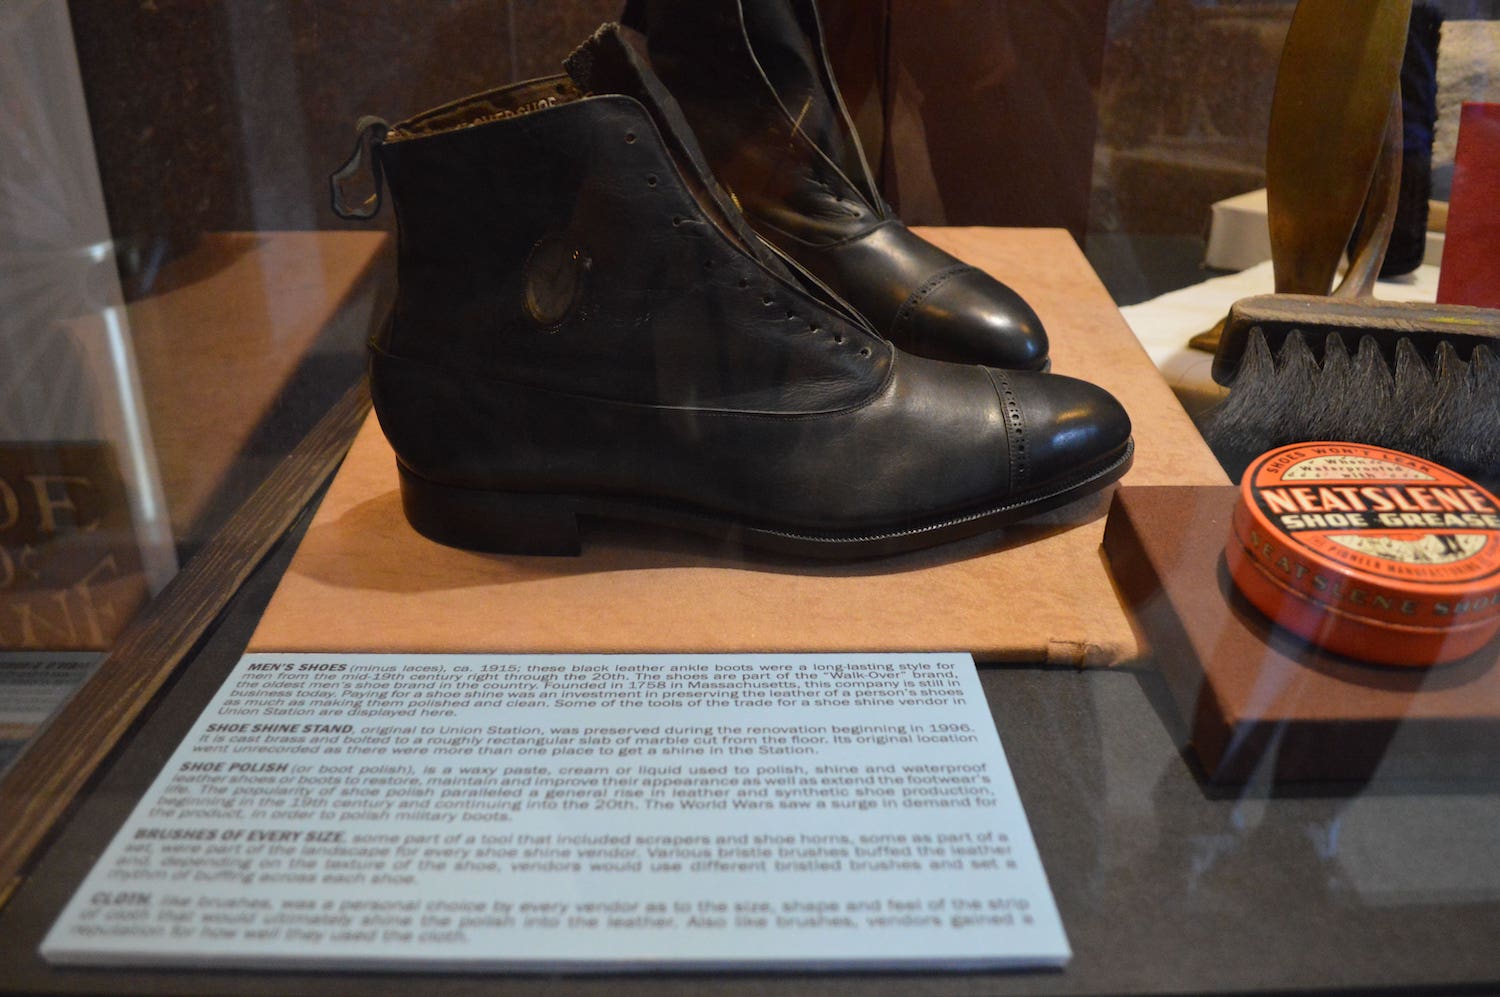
[[363, 580]]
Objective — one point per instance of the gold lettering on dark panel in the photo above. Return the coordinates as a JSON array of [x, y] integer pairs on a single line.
[[70, 566]]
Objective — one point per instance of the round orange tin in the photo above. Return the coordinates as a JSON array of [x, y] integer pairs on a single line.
[[1369, 552]]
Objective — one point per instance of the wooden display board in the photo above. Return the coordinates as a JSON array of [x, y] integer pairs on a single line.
[[363, 580]]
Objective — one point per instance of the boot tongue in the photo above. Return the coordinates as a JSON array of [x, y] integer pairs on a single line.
[[613, 61]]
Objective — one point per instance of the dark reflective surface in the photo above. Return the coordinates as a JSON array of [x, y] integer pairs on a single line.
[[178, 307]]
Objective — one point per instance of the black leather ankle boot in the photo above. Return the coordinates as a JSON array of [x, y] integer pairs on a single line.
[[755, 83], [585, 327]]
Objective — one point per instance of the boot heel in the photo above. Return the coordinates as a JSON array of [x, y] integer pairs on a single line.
[[498, 522]]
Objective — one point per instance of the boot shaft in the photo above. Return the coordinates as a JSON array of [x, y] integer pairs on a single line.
[[548, 238], [755, 81]]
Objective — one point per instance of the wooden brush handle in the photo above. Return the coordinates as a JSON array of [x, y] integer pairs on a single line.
[[1341, 64], [1274, 317], [1379, 219]]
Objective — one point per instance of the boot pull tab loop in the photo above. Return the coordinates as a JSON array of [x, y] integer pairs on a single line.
[[372, 131]]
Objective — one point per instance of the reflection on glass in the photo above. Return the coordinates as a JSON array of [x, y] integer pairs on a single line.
[[83, 530]]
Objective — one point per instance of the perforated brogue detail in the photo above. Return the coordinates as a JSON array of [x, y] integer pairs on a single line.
[[1015, 428], [914, 301]]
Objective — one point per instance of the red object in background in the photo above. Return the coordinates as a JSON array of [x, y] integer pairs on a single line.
[[1471, 248]]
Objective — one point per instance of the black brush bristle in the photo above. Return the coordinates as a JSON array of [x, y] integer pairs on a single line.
[[1446, 409], [1362, 396], [1237, 428], [1473, 437], [1406, 425], [1296, 383], [1329, 411], [1451, 398]]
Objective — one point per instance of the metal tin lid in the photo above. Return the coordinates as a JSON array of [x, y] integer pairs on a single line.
[[1369, 552]]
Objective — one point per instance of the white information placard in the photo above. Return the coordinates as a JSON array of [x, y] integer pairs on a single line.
[[581, 813]]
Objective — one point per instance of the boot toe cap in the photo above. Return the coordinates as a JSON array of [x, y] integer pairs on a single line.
[[967, 316], [1070, 429]]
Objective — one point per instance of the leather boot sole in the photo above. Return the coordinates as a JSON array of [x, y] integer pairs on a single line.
[[506, 522]]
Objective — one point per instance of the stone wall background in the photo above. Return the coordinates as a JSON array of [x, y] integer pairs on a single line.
[[1185, 102]]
